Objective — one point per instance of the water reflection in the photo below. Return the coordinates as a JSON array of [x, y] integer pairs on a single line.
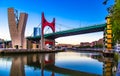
[[60, 64], [17, 67], [36, 61], [109, 65]]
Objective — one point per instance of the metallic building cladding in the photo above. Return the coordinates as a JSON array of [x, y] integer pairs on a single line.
[[37, 31]]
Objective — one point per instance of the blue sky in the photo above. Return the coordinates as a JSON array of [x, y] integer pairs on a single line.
[[69, 13]]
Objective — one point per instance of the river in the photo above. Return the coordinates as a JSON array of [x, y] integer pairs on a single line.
[[57, 64]]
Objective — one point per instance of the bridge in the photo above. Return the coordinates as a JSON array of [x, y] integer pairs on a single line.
[[41, 41], [76, 31], [44, 39], [106, 28], [50, 38]]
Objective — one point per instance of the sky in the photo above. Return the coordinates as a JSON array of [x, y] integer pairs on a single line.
[[69, 14]]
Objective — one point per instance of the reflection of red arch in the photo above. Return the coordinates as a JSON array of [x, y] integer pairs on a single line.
[[49, 61], [46, 23]]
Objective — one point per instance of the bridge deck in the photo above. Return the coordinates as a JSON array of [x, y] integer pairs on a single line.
[[76, 31]]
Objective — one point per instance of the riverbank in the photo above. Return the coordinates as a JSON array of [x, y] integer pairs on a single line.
[[27, 51]]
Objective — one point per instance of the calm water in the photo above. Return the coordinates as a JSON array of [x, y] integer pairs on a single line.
[[57, 64]]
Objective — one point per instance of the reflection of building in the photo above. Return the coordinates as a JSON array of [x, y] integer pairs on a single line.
[[17, 67], [36, 31], [43, 63], [33, 60], [108, 67]]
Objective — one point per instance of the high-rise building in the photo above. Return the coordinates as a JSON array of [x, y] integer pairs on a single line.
[[37, 31]]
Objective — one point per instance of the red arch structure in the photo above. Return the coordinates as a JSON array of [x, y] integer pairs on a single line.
[[46, 23]]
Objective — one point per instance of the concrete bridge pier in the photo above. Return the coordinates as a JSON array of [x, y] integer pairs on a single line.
[[49, 44], [44, 24]]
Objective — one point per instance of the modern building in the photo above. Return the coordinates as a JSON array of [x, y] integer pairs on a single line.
[[37, 31], [17, 28]]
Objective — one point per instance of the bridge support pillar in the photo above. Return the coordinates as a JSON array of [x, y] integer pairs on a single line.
[[53, 45], [50, 44], [42, 42], [44, 24]]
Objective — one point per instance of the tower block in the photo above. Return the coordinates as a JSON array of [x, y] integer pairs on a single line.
[[17, 27], [108, 35]]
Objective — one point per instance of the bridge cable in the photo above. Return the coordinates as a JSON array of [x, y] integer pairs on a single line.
[[37, 26]]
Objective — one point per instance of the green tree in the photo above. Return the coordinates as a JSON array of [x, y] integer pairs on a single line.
[[114, 12], [116, 21]]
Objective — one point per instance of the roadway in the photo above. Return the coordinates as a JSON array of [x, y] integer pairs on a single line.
[[76, 31]]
